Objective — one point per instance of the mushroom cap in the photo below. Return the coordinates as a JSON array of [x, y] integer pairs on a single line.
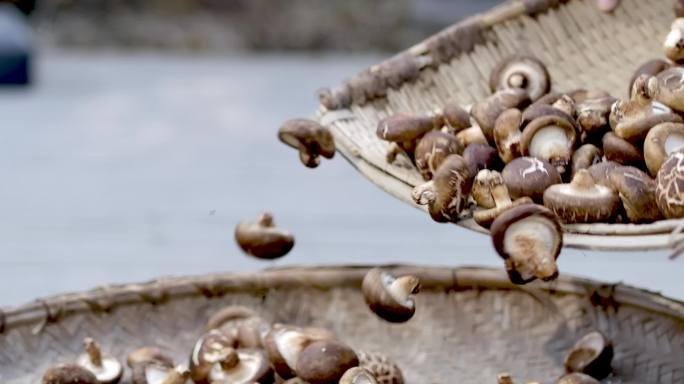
[[456, 117], [536, 111], [488, 110], [600, 172], [205, 354], [262, 239], [620, 150], [335, 98], [632, 120], [284, 344], [586, 156], [432, 149], [529, 238], [669, 184], [674, 42], [593, 115], [486, 217], [481, 191], [451, 185], [252, 366], [670, 88], [582, 200], [324, 362], [403, 127], [524, 72], [661, 141], [479, 157], [528, 176], [507, 134], [69, 374], [381, 367], [149, 355], [581, 95], [591, 355], [389, 297], [358, 375], [577, 378], [650, 68], [550, 138], [310, 138], [637, 190], [108, 370]]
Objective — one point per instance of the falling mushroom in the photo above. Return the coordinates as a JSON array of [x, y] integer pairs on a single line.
[[262, 239], [242, 366], [660, 143], [432, 149], [69, 374], [358, 375], [582, 200], [447, 194], [669, 184], [311, 139], [637, 191], [107, 369], [529, 239], [528, 176], [389, 297], [497, 189], [577, 378], [591, 355], [521, 72], [325, 361], [284, 344], [381, 367]]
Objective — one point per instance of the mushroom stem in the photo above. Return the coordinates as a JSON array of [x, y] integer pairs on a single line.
[[517, 80], [424, 194], [402, 287], [393, 151], [501, 195], [545, 267], [266, 220], [229, 359], [93, 351], [583, 180], [178, 375]]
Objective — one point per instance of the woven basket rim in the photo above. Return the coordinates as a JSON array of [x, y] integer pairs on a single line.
[[104, 299]]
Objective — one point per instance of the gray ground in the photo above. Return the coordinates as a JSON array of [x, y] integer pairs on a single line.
[[120, 168]]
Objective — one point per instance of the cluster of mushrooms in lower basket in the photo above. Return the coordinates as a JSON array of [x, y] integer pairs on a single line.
[[240, 347], [527, 160]]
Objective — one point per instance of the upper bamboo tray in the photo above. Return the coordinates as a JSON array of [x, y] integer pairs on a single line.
[[470, 323], [582, 48]]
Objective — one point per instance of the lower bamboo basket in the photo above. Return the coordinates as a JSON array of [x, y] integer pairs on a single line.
[[582, 48], [470, 323]]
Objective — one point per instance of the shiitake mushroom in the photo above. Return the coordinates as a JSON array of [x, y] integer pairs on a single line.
[[262, 239], [390, 297]]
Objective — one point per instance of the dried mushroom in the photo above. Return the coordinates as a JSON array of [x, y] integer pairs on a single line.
[[582, 200], [311, 139], [521, 72], [637, 191], [497, 190], [488, 110], [586, 156], [432, 149], [550, 138], [262, 239], [389, 297], [381, 367], [669, 184], [324, 362], [660, 143], [528, 176], [447, 194], [507, 134]]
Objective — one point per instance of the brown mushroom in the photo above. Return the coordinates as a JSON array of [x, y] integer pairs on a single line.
[[358, 375], [335, 98], [310, 138], [447, 194], [600, 172], [529, 239], [521, 72], [650, 68], [471, 135], [382, 368], [107, 369], [324, 362], [262, 239], [507, 134], [403, 127], [637, 190], [479, 157], [577, 378], [159, 374], [591, 355], [669, 88], [678, 8], [389, 297], [432, 149], [284, 344], [69, 374], [528, 176], [488, 110], [565, 104], [674, 42], [149, 355], [582, 200], [661, 141], [481, 191], [207, 352], [549, 138], [242, 366], [593, 117], [228, 315], [669, 183], [240, 325], [497, 189], [621, 151], [456, 118], [504, 378], [586, 156], [582, 95]]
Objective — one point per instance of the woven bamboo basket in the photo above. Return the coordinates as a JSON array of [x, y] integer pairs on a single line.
[[582, 48], [470, 323]]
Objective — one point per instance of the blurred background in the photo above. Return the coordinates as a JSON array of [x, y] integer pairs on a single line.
[[147, 130]]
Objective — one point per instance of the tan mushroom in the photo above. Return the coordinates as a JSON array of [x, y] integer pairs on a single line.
[[621, 151], [669, 88], [528, 176], [529, 239], [488, 110], [582, 200], [471, 135], [591, 355], [262, 239], [389, 297], [157, 374], [497, 189], [148, 355], [242, 366], [650, 68], [107, 369], [324, 362], [593, 117], [637, 191], [481, 191], [404, 131], [229, 315], [69, 374], [577, 378], [507, 134], [447, 194], [582, 95], [284, 344], [208, 350], [669, 184], [660, 143], [381, 367], [674, 42], [432, 149], [479, 157], [522, 72], [549, 138], [586, 156], [310, 138]]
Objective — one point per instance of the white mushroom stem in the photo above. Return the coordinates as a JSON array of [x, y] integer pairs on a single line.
[[93, 351], [517, 80], [403, 287], [178, 375], [582, 181], [266, 220], [424, 194]]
